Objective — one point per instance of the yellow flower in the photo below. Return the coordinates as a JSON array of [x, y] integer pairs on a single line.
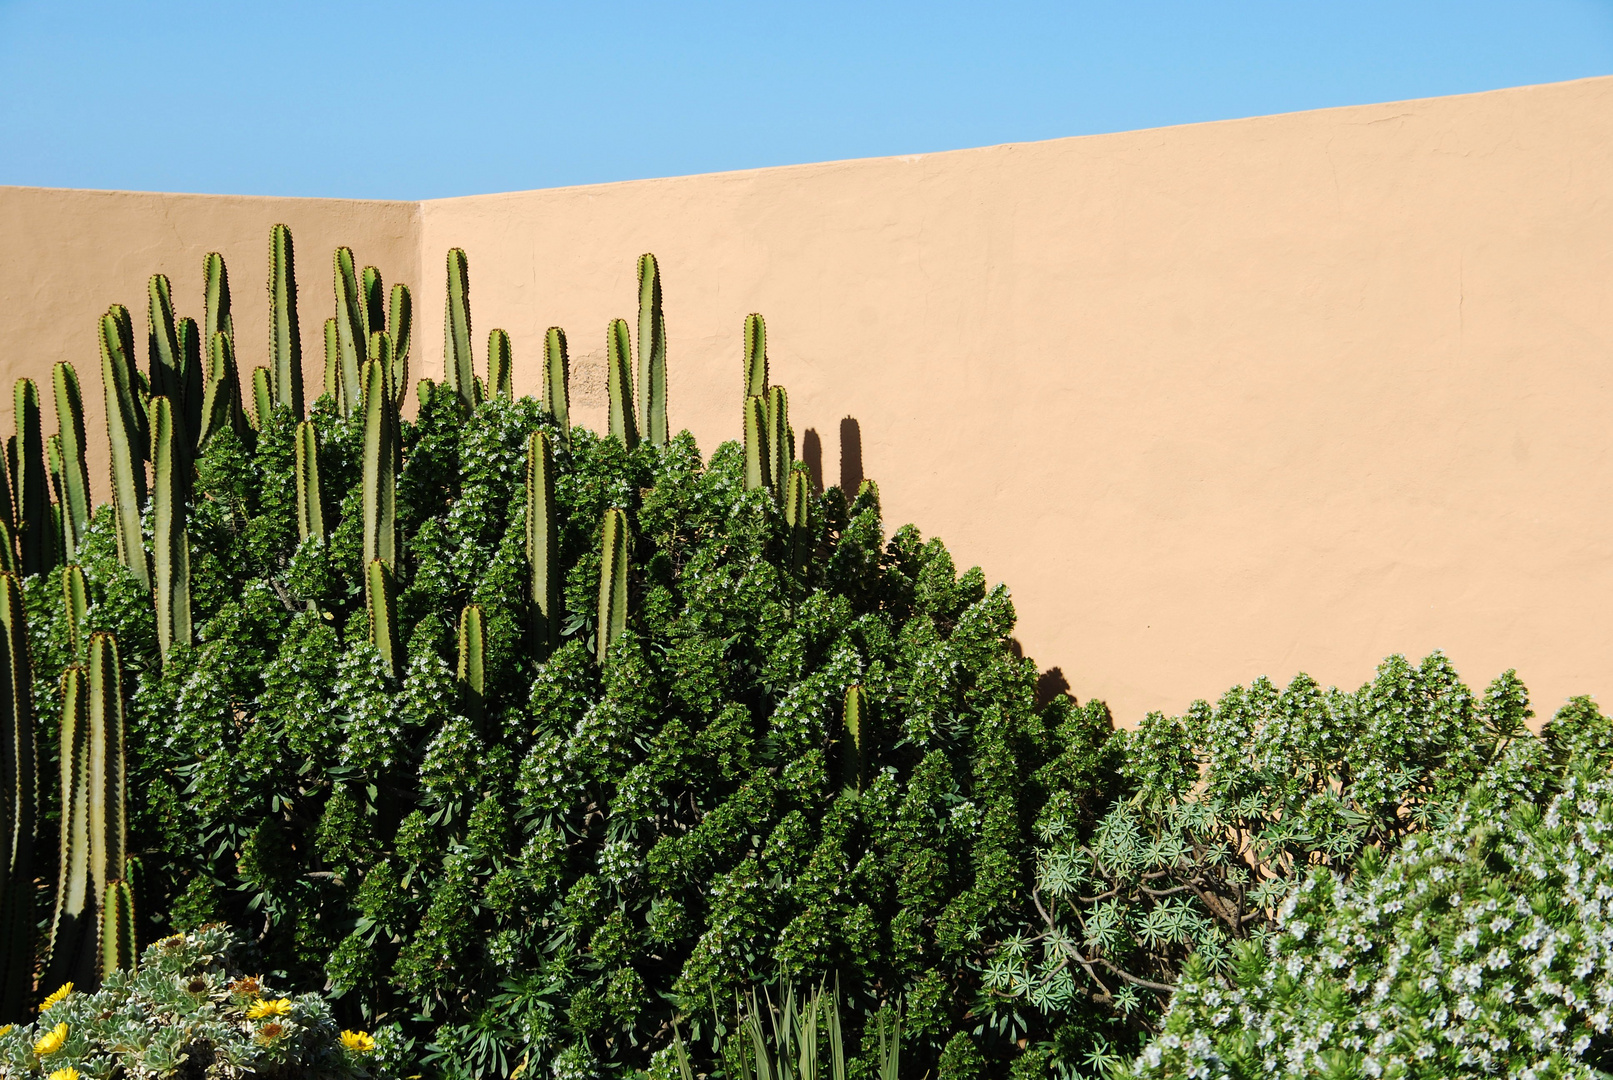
[[260, 1009], [51, 1041], [68, 1073], [7, 1029], [359, 1042], [57, 998]]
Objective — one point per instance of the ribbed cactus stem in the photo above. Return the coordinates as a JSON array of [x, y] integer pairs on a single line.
[[310, 500], [262, 396], [557, 380], [221, 402], [380, 469], [780, 437], [350, 317], [108, 785], [755, 356], [191, 389], [651, 352], [500, 365], [53, 468], [8, 550], [20, 794], [285, 340], [798, 517], [381, 599], [472, 669], [170, 542], [162, 339], [400, 324], [29, 477], [118, 946], [613, 567], [542, 544], [855, 722], [216, 317], [379, 348], [425, 392], [72, 926], [125, 429], [457, 368], [75, 473], [372, 302], [758, 460], [76, 603], [619, 382], [333, 367]]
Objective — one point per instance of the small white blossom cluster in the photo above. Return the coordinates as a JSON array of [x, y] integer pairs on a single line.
[[1484, 948]]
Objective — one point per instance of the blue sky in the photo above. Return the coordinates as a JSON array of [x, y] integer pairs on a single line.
[[411, 101]]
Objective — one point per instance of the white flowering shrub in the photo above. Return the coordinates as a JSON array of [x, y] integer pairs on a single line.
[[187, 1012], [1483, 948]]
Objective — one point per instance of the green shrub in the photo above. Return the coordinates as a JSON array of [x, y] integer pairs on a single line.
[[188, 1010]]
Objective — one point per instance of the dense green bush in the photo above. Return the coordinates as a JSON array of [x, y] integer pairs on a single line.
[[188, 1010], [1483, 948]]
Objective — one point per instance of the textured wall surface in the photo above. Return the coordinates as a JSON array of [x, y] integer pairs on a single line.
[[1260, 396]]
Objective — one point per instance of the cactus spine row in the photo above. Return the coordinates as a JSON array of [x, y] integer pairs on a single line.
[[755, 355], [612, 583], [285, 341], [619, 382], [758, 463], [372, 303], [500, 365], [76, 602], [221, 401], [651, 352], [117, 928], [780, 437], [170, 541], [351, 336], [333, 365], [380, 469], [557, 380], [72, 944], [310, 504], [381, 599], [19, 800], [458, 371], [262, 396], [30, 496], [125, 430], [542, 544], [216, 318], [75, 494], [400, 325], [798, 516]]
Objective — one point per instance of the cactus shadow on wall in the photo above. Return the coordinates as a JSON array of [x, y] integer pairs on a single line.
[[851, 455], [812, 454]]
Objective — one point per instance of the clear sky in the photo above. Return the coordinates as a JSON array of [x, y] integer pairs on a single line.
[[409, 100]]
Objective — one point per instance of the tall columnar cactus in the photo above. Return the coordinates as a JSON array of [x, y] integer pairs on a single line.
[[619, 382], [19, 797], [350, 318], [500, 365], [380, 596], [400, 324], [651, 352], [221, 402], [758, 460], [471, 673], [170, 542], [191, 389], [216, 317], [557, 380], [76, 603], [73, 946], [542, 544], [118, 947], [285, 340], [780, 436], [458, 372], [263, 401], [310, 499], [333, 365], [163, 357], [75, 473], [380, 470], [108, 784], [613, 567], [372, 302], [854, 732], [379, 348], [29, 478], [798, 516], [125, 429], [53, 469], [755, 356]]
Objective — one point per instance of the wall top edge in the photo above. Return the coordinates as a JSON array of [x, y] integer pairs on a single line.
[[1340, 112]]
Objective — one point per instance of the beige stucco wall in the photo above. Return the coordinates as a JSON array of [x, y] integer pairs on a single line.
[[1247, 397]]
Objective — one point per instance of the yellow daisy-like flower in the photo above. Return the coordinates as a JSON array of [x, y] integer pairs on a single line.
[[51, 1041], [7, 1029], [68, 1073], [359, 1042], [260, 1009], [57, 998]]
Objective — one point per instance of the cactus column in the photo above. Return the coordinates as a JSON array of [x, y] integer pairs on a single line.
[[557, 380], [73, 951], [170, 542], [542, 544], [285, 341], [651, 352], [612, 583], [458, 372], [380, 470], [351, 337], [126, 438], [108, 794], [19, 802], [75, 494], [619, 382], [31, 497]]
